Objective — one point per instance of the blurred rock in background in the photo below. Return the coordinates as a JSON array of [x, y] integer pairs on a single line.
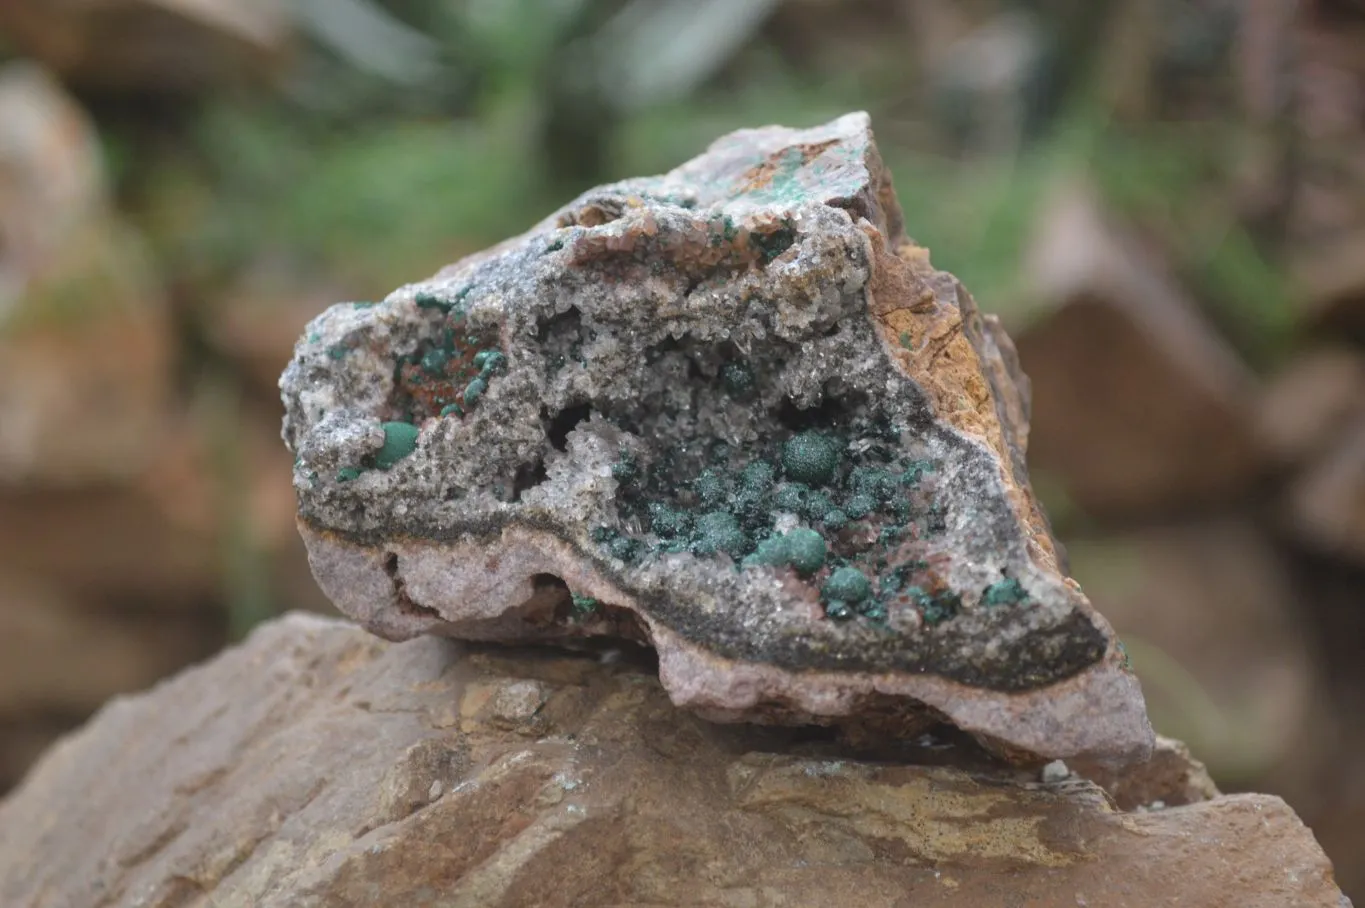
[[1209, 614], [1138, 403], [1164, 199], [86, 345], [124, 490], [170, 46]]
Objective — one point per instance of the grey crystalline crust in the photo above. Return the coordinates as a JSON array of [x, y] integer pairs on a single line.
[[731, 412]]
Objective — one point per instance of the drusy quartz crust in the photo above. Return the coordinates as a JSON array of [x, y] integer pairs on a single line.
[[731, 412]]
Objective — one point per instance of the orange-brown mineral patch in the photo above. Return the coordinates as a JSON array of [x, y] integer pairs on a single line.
[[931, 338], [761, 175]]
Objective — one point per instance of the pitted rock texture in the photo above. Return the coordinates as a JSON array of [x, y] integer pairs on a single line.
[[318, 767], [730, 411]]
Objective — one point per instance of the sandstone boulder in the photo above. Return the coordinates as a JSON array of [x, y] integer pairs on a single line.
[[316, 765]]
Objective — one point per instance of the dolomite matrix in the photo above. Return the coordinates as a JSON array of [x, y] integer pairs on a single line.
[[731, 412]]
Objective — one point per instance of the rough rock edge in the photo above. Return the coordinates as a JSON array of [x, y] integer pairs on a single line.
[[1090, 715], [344, 771]]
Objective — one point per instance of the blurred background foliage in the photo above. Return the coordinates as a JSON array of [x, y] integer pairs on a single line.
[[1199, 166], [359, 160]]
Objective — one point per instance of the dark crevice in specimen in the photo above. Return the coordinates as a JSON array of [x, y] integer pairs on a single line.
[[405, 604], [562, 423], [529, 475]]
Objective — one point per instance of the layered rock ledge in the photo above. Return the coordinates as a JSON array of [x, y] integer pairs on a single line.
[[316, 766]]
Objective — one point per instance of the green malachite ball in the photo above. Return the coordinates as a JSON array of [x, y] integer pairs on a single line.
[[400, 440], [847, 584], [810, 458]]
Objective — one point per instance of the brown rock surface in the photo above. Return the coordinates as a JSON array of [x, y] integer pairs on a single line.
[[318, 766], [1139, 407]]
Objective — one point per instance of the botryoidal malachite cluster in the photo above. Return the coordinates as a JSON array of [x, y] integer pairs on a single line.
[[730, 412], [840, 508]]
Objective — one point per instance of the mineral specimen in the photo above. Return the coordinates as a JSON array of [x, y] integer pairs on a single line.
[[731, 412]]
